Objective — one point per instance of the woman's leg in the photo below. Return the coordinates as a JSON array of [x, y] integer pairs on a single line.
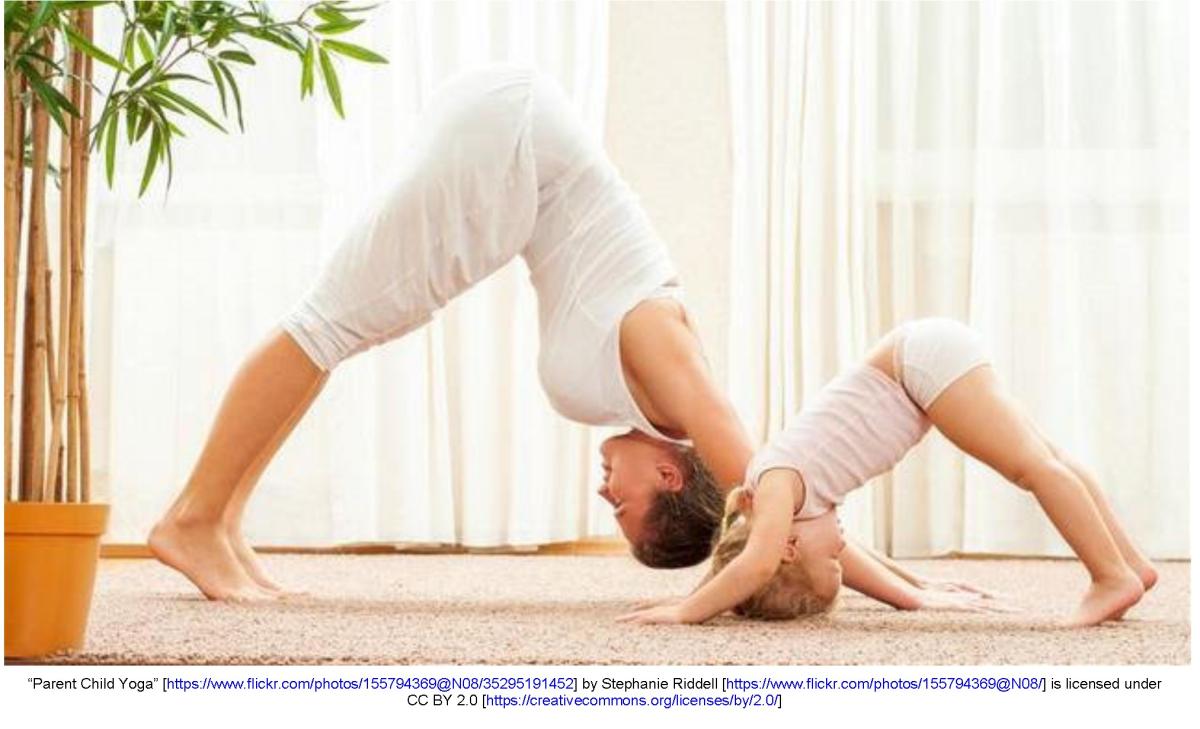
[[272, 388], [236, 509], [976, 415]]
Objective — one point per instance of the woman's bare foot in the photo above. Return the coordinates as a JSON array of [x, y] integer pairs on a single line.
[[203, 554], [251, 563], [1107, 600]]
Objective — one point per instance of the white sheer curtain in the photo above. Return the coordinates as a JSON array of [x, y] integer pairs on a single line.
[[444, 436], [1019, 166]]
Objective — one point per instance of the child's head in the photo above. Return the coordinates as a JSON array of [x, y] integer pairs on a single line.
[[808, 577]]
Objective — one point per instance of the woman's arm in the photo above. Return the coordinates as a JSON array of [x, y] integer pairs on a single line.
[[669, 371], [746, 573]]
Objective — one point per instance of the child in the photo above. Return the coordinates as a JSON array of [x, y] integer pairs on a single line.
[[781, 555]]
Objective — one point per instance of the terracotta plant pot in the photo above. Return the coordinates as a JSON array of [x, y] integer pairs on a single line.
[[50, 556]]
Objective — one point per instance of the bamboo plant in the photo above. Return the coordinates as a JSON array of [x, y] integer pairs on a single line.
[[49, 51]]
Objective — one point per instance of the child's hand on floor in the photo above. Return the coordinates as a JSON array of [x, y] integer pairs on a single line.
[[963, 602], [961, 587]]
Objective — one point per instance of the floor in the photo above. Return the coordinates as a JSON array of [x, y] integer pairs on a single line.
[[454, 609]]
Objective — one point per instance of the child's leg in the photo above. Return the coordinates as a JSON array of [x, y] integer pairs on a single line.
[[979, 418], [236, 509], [1133, 556], [275, 381]]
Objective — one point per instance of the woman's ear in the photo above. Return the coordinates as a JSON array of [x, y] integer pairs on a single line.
[[670, 476]]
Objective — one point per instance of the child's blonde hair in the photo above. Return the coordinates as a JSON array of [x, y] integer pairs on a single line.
[[788, 594]]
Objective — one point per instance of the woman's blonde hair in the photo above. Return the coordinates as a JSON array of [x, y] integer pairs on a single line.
[[788, 594]]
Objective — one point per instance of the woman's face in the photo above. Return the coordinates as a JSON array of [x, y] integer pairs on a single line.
[[815, 545], [636, 468]]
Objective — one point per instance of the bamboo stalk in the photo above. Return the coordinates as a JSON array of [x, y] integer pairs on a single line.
[[52, 476], [14, 173], [66, 231], [33, 389], [9, 113], [77, 284]]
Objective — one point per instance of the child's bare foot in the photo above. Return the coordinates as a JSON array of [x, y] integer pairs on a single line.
[[251, 563], [1147, 574], [1107, 600], [203, 554]]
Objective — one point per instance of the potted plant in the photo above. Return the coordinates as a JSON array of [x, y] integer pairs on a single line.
[[167, 52]]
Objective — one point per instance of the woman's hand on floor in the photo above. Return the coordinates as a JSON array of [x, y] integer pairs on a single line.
[[658, 615], [657, 602]]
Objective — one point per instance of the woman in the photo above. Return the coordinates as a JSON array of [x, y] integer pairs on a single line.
[[500, 166]]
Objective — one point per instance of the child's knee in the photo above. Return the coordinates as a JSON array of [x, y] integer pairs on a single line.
[[1038, 470]]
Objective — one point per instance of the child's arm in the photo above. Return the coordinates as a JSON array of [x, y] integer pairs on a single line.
[[861, 572], [916, 580], [750, 570]]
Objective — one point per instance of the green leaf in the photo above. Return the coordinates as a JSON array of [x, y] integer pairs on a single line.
[[237, 97], [177, 77], [54, 101], [282, 40], [353, 51], [216, 74], [330, 15], [344, 26], [40, 16], [329, 75], [110, 149], [131, 119], [220, 32], [356, 8], [46, 60], [306, 73], [151, 160], [127, 48], [144, 122], [166, 146], [143, 43], [76, 39], [136, 76], [164, 102], [238, 56], [168, 29], [294, 39], [187, 104]]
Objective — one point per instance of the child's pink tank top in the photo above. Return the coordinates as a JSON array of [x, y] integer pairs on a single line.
[[859, 426]]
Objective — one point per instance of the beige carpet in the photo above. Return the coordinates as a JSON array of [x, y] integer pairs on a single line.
[[559, 610]]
